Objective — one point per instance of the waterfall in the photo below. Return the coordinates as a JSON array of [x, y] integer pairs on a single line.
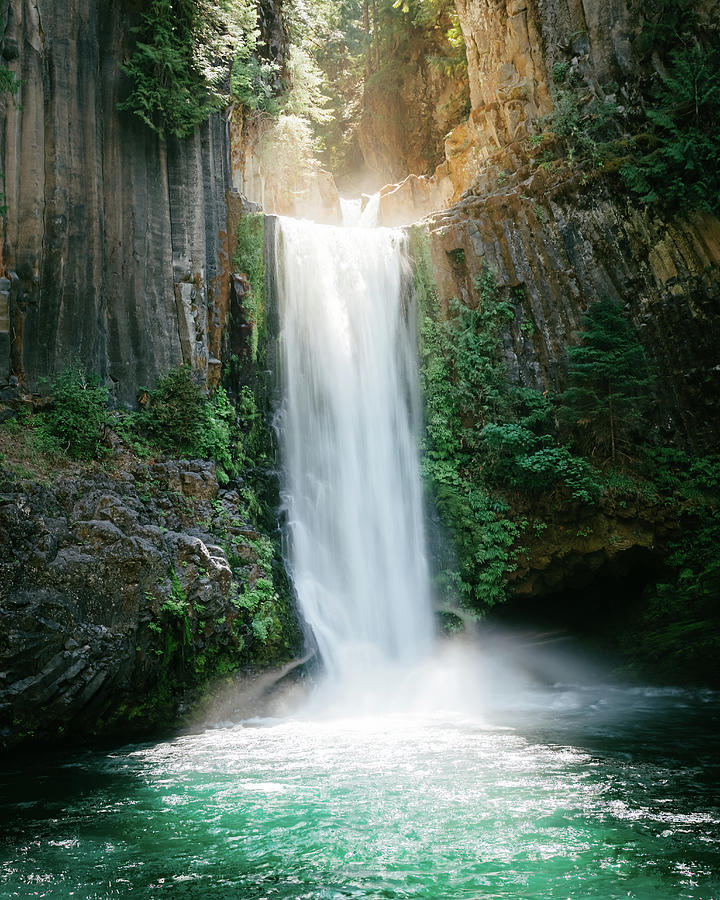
[[349, 423]]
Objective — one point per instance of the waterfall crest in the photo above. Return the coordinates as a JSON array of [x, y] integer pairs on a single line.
[[349, 423]]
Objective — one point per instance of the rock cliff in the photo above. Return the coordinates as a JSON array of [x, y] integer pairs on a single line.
[[114, 243], [125, 589], [410, 106], [559, 235], [560, 246]]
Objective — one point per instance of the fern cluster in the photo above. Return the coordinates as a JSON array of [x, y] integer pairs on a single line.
[[181, 63], [676, 158], [667, 151]]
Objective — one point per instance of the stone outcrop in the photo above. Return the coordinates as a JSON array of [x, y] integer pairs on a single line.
[[117, 601], [577, 544], [114, 243], [559, 245], [513, 50]]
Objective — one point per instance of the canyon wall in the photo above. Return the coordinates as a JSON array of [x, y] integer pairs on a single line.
[[560, 246], [559, 236], [409, 106], [113, 245]]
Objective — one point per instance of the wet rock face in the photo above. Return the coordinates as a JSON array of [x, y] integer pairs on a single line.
[[114, 240], [558, 248], [114, 596]]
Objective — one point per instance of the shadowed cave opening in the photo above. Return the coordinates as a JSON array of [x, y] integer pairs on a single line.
[[592, 605]]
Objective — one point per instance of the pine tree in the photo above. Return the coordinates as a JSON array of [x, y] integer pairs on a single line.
[[609, 382]]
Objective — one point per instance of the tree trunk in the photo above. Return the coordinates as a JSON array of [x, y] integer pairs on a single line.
[[376, 35], [368, 41]]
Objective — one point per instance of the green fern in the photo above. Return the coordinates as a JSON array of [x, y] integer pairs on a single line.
[[677, 155]]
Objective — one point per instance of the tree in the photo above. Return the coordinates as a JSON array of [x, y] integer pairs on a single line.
[[677, 155], [77, 415], [182, 60], [609, 381]]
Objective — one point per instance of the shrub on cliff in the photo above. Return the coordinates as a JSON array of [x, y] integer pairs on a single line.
[[180, 420], [182, 59], [77, 416], [174, 413], [676, 158]]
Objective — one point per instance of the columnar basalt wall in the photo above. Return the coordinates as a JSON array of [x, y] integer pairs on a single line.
[[512, 46], [561, 238], [558, 248], [114, 242]]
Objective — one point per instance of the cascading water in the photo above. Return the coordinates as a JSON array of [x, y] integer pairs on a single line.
[[349, 425]]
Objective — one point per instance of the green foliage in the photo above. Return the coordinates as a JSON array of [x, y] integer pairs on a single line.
[[549, 466], [463, 381], [128, 426], [308, 98], [609, 383], [9, 83], [177, 605], [250, 259], [471, 344], [666, 24], [518, 458], [262, 597], [676, 158], [560, 71], [287, 151], [360, 50], [215, 439], [182, 56], [78, 414], [585, 125], [679, 627], [175, 413], [484, 438], [253, 82], [668, 152], [180, 420]]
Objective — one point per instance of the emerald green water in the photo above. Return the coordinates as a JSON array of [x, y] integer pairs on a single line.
[[571, 793]]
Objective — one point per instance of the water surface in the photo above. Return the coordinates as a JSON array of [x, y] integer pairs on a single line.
[[574, 792]]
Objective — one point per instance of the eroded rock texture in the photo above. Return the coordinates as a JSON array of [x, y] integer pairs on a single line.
[[113, 240], [117, 600], [557, 248], [408, 109]]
